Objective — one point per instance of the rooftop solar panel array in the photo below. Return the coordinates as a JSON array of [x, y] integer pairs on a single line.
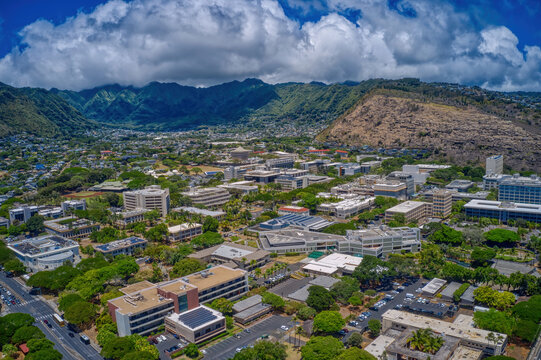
[[197, 317]]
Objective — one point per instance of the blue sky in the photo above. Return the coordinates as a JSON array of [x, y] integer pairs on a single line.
[[83, 43]]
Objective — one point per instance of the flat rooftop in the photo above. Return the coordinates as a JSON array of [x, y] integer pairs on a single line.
[[247, 303], [197, 318], [214, 276], [503, 206], [231, 251], [434, 286], [296, 236], [144, 295], [40, 245], [378, 346], [333, 262], [120, 244], [461, 328], [74, 223], [182, 227], [407, 206], [204, 212]]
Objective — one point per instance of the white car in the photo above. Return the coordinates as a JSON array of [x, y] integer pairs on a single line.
[[238, 349], [285, 328], [203, 351]]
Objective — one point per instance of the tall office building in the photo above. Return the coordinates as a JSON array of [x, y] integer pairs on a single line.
[[442, 203], [151, 197], [494, 165], [519, 189]]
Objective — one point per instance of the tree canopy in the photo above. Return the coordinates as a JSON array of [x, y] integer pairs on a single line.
[[322, 348], [328, 321], [319, 298], [501, 237], [185, 267], [263, 350]]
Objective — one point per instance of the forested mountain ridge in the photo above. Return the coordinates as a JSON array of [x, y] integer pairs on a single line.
[[38, 112]]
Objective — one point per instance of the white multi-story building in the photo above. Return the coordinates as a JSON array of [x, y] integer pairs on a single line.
[[71, 205], [459, 333], [348, 207], [22, 214], [381, 241], [494, 165], [184, 231], [211, 196], [375, 241], [46, 252], [151, 197]]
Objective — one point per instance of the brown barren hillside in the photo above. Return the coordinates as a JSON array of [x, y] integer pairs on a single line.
[[462, 134]]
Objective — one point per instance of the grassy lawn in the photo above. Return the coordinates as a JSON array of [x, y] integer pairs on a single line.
[[292, 353], [291, 259], [83, 194]]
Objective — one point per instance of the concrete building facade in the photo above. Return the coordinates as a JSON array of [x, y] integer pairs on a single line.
[[151, 197]]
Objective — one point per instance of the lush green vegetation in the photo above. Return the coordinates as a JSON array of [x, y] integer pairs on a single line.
[[424, 340]]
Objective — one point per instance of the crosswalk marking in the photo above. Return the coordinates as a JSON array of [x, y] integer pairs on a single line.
[[43, 317]]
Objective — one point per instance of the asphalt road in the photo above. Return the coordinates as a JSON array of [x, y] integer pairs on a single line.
[[72, 348], [226, 349]]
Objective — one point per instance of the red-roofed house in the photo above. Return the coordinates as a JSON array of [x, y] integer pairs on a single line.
[[24, 348]]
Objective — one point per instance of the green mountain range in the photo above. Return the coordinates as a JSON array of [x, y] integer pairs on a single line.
[[170, 106], [39, 112]]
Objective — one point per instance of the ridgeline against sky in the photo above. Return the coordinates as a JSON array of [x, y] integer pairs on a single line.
[[89, 43]]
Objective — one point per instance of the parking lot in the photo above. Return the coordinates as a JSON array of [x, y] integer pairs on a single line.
[[268, 328], [167, 343], [409, 299]]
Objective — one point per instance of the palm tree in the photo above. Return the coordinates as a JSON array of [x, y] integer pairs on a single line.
[[417, 341]]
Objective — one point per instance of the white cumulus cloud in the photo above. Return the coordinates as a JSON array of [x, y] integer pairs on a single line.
[[204, 42]]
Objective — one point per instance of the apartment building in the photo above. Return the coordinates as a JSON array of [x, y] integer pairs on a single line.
[[494, 165], [212, 196], [45, 252], [126, 246], [526, 190], [151, 197], [368, 166], [183, 232], [442, 203], [413, 211], [71, 227], [144, 305]]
